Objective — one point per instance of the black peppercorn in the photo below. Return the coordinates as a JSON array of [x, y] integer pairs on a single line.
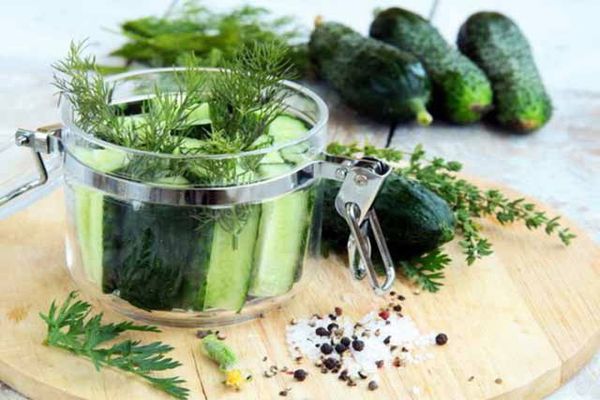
[[320, 331], [326, 348], [373, 385], [332, 326], [358, 345], [330, 363], [441, 339], [340, 348], [300, 375], [397, 308], [345, 341]]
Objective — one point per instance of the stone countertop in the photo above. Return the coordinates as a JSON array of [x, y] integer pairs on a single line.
[[559, 165]]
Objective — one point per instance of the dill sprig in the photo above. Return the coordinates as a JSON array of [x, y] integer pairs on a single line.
[[467, 201], [72, 327], [78, 80], [247, 96]]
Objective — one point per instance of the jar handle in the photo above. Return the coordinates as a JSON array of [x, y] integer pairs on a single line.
[[45, 140], [361, 181]]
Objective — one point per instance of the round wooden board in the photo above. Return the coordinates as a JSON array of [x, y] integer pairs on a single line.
[[528, 315]]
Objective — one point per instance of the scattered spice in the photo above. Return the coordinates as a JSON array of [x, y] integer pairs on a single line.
[[338, 311], [201, 334], [300, 375], [392, 293], [401, 298], [384, 314], [441, 339], [285, 392], [327, 341], [326, 348], [397, 308], [343, 375], [373, 385], [332, 326], [320, 331], [340, 348], [498, 381], [330, 363], [358, 345], [471, 378]]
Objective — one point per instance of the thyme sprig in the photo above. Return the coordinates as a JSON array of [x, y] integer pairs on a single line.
[[72, 327], [468, 202]]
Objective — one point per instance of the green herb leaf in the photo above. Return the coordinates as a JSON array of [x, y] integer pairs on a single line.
[[211, 36], [71, 327]]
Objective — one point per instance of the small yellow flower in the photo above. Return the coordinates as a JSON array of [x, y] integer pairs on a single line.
[[234, 378]]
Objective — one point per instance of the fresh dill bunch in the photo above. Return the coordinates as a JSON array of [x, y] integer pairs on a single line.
[[248, 95], [467, 201], [71, 327]]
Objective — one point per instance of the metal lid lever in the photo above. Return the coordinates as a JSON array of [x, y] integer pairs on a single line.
[[42, 141], [361, 181]]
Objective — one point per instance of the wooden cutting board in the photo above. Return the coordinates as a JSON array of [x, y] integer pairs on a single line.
[[520, 323]]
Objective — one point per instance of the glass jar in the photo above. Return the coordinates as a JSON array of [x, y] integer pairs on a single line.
[[197, 239]]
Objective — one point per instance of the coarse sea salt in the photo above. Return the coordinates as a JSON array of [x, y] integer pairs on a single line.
[[401, 333]]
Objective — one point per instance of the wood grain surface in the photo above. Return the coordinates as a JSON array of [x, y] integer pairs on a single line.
[[528, 317]]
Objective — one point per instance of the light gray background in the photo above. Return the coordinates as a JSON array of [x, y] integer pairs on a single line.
[[559, 165]]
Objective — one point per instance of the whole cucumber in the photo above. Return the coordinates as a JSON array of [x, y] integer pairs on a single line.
[[461, 91], [495, 43], [372, 77], [414, 220]]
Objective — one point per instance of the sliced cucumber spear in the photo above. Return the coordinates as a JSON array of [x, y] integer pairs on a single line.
[[89, 210], [230, 264], [281, 241], [283, 225]]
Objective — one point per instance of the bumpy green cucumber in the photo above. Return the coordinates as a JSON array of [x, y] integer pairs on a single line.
[[495, 43], [414, 219], [461, 91], [371, 76]]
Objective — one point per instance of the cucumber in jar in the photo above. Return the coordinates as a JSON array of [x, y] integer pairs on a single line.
[[231, 256], [284, 222], [89, 210]]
